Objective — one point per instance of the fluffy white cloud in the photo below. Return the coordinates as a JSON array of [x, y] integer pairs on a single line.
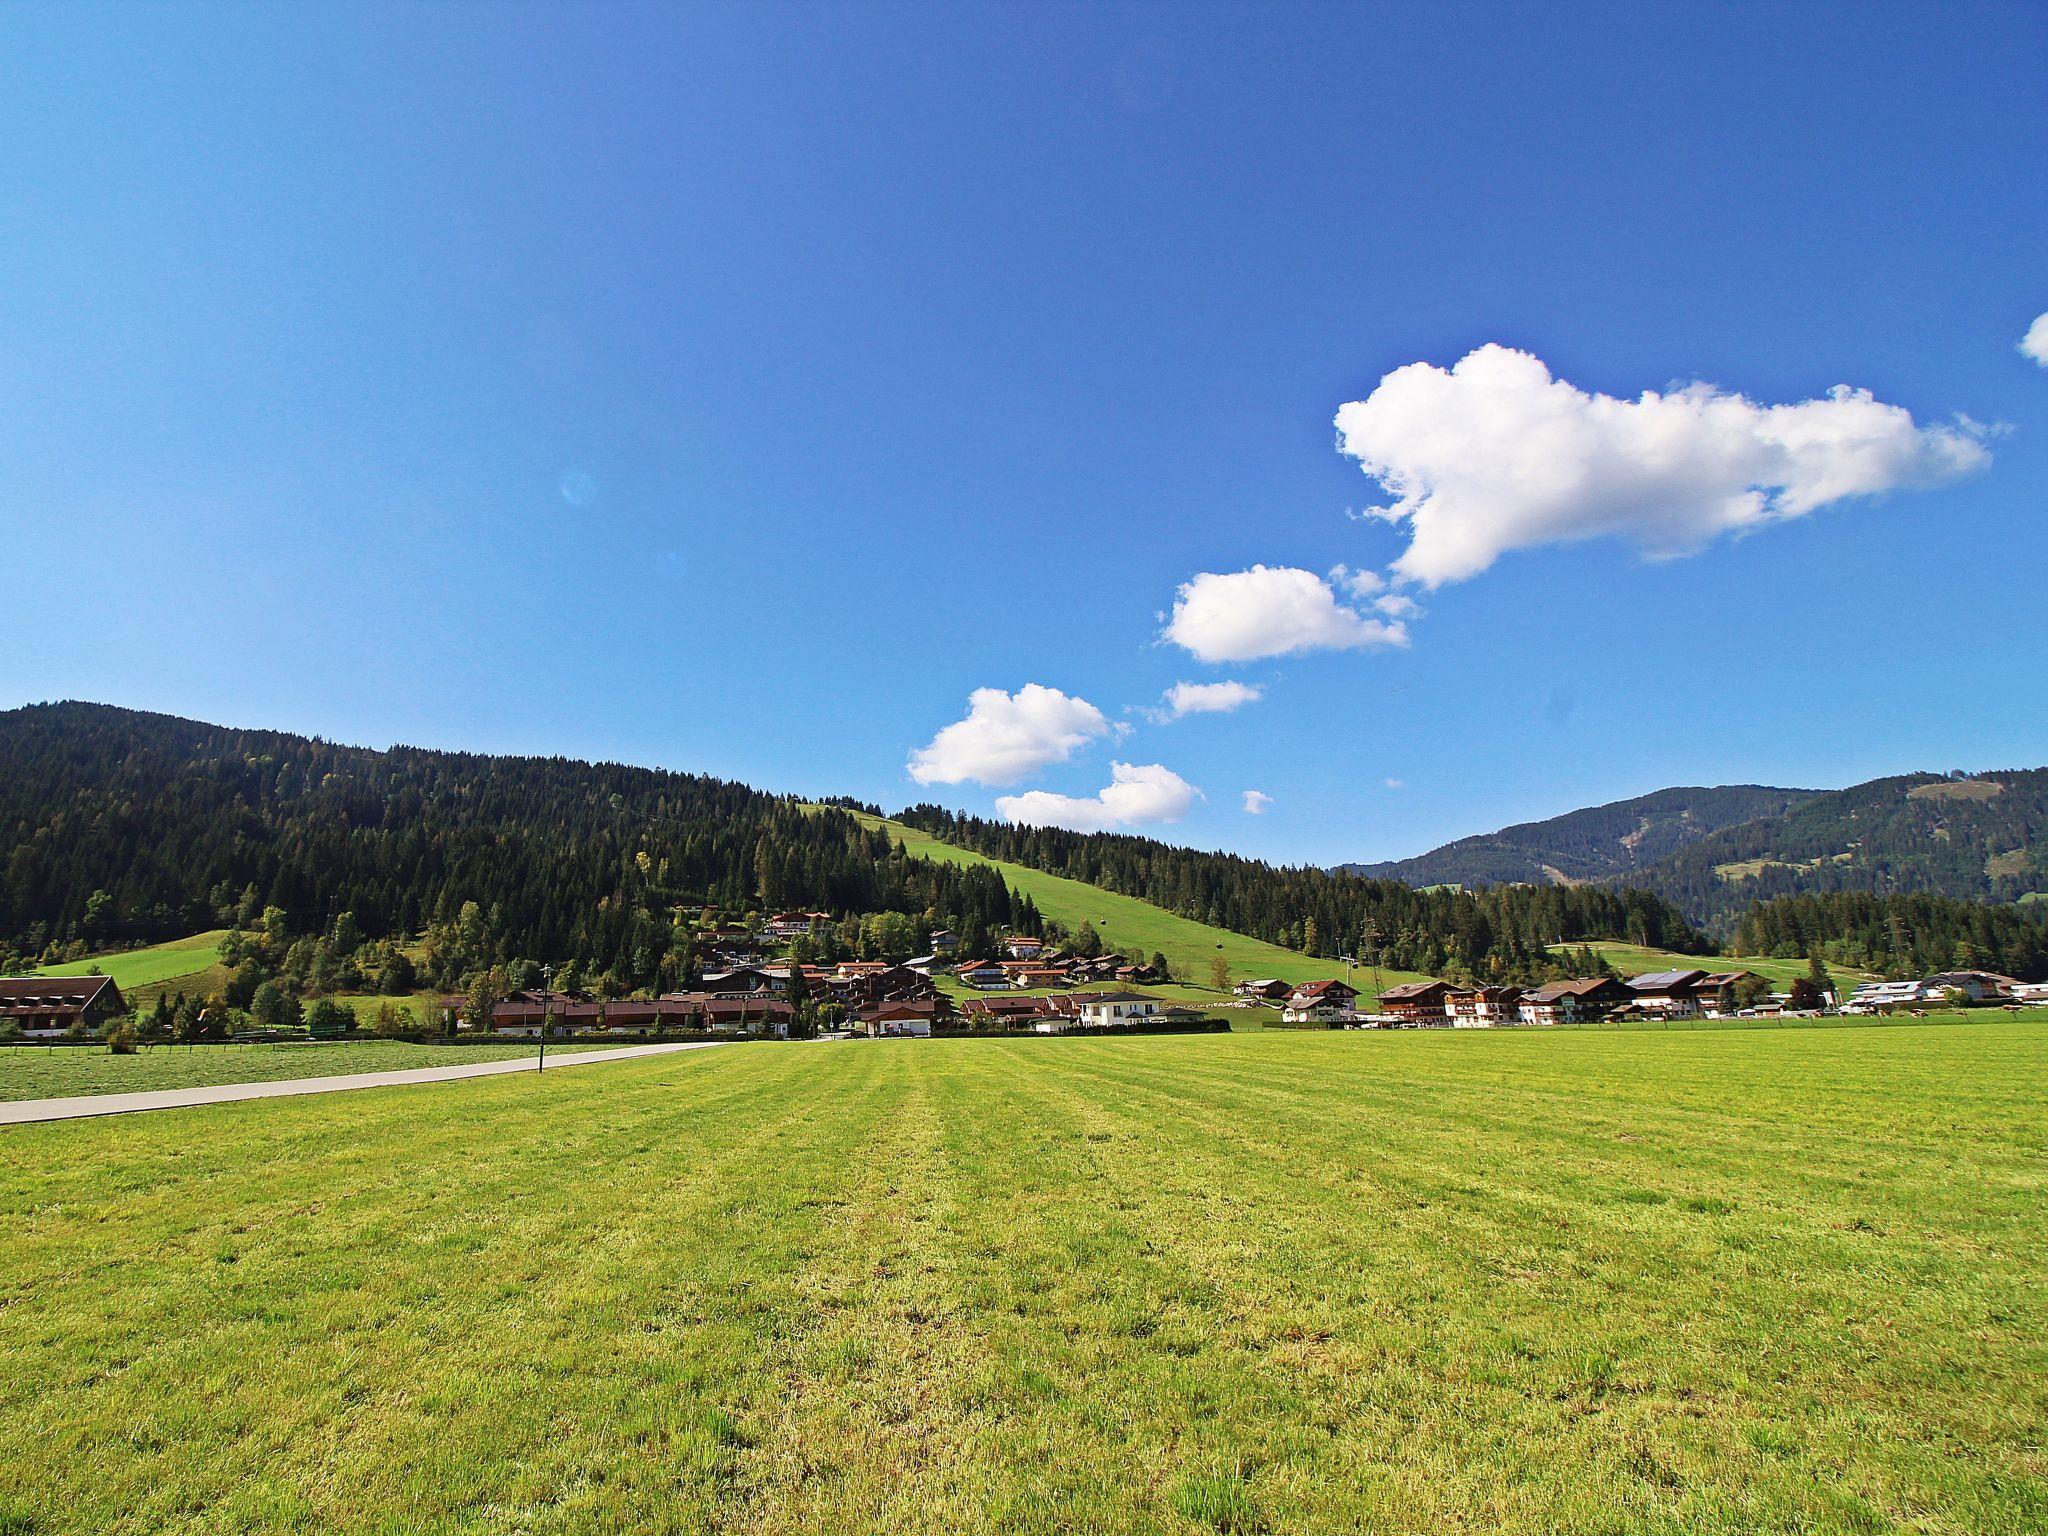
[[1207, 699], [1396, 784], [1257, 802], [1494, 455], [2035, 342], [1137, 794], [1269, 611], [1005, 736]]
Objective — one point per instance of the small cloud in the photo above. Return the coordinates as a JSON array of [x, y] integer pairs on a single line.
[[1206, 699], [1397, 783], [2035, 343], [1257, 802], [1396, 605], [1136, 795], [1495, 454], [1006, 736], [1359, 583], [1269, 611]]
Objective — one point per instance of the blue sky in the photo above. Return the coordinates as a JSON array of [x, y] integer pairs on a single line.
[[740, 389]]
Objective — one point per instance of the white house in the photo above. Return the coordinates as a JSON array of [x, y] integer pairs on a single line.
[[1106, 1008]]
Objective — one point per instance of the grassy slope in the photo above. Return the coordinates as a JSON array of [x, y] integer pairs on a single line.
[[1505, 1282], [165, 962], [1634, 960], [1126, 922], [48, 1072]]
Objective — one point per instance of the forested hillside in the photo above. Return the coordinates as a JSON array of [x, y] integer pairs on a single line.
[[1596, 843], [1976, 837], [1901, 936], [121, 826], [1498, 932], [118, 826]]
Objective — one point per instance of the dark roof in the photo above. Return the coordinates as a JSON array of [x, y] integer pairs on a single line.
[[1582, 986], [1318, 988], [1122, 997], [1665, 981], [44, 992], [1406, 990]]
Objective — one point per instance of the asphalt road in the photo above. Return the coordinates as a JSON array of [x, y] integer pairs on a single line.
[[29, 1111]]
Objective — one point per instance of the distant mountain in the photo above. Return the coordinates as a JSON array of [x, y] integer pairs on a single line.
[[1976, 837], [1712, 852], [1593, 844]]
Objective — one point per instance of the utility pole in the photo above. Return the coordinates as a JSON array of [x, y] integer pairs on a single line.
[[547, 1012]]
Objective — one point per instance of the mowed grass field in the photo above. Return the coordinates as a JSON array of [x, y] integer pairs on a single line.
[[1127, 923], [1636, 960], [56, 1072], [1477, 1282], [167, 962]]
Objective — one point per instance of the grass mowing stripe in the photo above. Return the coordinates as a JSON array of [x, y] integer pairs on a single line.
[[1308, 1283]]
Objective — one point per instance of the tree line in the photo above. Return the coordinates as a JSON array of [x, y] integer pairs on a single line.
[[1499, 933], [1900, 936]]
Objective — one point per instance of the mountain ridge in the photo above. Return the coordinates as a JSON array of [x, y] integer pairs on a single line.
[[1971, 836]]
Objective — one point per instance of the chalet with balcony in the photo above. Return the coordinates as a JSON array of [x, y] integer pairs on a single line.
[[1417, 1002], [1574, 1002], [1482, 1007]]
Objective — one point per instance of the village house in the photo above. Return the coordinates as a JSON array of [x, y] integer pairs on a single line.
[[1666, 994], [944, 941], [1482, 1007], [986, 975], [914, 1019], [45, 1006], [1715, 992], [1320, 1002], [1107, 1008], [784, 926], [1416, 1002], [1022, 946], [1002, 1012], [1574, 1002], [744, 980], [732, 1014]]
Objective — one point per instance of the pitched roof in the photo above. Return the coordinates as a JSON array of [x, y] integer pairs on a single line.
[[52, 991], [1664, 981], [1407, 989]]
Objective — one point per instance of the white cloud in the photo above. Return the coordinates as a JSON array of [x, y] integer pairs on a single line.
[[1207, 699], [1257, 802], [1357, 583], [1269, 611], [2035, 342], [1136, 795], [1396, 784], [1396, 605], [1005, 736], [1495, 455]]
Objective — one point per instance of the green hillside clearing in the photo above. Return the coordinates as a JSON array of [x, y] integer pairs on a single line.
[[1126, 923], [131, 968]]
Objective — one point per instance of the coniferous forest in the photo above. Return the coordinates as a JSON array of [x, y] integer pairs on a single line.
[[120, 827]]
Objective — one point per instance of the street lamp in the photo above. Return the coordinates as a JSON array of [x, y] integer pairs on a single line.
[[547, 1012]]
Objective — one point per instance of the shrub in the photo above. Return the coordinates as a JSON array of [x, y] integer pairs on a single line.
[[121, 1037]]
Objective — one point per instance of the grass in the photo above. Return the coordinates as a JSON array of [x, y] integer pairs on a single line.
[[1126, 923], [54, 1072], [1635, 959], [1575, 1283], [164, 962]]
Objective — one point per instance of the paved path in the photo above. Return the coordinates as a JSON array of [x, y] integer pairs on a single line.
[[27, 1111]]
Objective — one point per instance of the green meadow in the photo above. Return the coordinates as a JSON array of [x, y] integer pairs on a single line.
[[132, 968], [1784, 1281], [57, 1072], [1127, 923]]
